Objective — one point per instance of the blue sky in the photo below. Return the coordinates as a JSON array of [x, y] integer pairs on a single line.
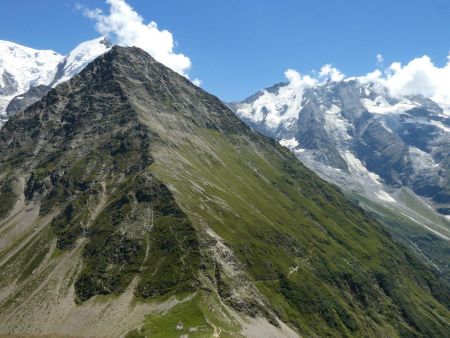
[[237, 47]]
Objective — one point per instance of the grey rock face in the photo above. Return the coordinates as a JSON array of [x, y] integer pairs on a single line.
[[10, 84], [20, 102]]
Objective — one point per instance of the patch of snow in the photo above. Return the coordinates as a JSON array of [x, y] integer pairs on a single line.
[[385, 126], [440, 125], [358, 168], [28, 66], [273, 108], [289, 143], [278, 108], [374, 177], [425, 226], [332, 168], [384, 196], [81, 56], [4, 101], [421, 160], [24, 67], [353, 162], [336, 125], [299, 150], [381, 106], [445, 109]]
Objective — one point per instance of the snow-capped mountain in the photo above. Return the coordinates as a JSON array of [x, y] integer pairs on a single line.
[[79, 57], [355, 134], [24, 69]]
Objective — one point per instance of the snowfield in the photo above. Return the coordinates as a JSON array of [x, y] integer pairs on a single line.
[[23, 67]]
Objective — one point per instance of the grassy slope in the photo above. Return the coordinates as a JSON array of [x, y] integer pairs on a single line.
[[432, 248], [351, 278], [201, 315]]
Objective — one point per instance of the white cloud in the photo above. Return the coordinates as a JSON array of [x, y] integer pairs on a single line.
[[293, 76], [371, 77], [197, 82], [419, 76], [296, 80], [380, 59], [299, 81], [125, 27], [328, 72]]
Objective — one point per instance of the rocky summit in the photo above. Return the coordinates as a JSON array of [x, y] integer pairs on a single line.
[[135, 204]]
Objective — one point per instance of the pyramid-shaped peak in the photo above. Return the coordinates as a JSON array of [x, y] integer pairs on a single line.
[[131, 56]]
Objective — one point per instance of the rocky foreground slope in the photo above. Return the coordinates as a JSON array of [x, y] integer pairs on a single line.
[[134, 203]]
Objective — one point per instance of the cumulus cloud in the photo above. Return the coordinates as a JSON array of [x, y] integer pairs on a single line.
[[197, 82], [419, 76], [328, 72], [125, 27], [370, 77], [299, 81]]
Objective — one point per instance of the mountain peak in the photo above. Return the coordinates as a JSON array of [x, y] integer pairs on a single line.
[[128, 190], [141, 78]]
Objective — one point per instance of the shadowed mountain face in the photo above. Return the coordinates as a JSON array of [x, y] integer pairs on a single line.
[[133, 202], [21, 102]]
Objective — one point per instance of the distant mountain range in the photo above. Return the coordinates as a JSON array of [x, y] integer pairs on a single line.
[[392, 154], [360, 137], [23, 69]]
